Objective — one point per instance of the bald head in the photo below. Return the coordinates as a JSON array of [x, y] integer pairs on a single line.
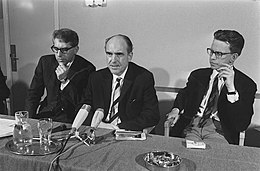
[[119, 53]]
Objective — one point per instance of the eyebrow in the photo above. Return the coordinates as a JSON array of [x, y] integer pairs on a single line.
[[116, 53]]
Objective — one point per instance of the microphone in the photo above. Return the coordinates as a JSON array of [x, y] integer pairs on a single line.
[[97, 118], [80, 118]]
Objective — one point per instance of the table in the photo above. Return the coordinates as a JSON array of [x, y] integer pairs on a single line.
[[109, 154]]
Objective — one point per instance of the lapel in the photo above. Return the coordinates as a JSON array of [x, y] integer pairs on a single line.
[[203, 79], [107, 83], [52, 77], [128, 80], [73, 68]]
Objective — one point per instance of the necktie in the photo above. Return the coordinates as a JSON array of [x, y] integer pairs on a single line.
[[212, 103], [116, 94]]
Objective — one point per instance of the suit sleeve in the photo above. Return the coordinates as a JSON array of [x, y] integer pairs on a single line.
[[239, 113], [184, 94]]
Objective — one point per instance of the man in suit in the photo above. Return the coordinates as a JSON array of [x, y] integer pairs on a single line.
[[64, 76], [232, 104], [4, 92], [136, 107]]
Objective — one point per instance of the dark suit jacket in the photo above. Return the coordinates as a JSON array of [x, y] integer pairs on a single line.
[[138, 108], [234, 117], [4, 91], [45, 78]]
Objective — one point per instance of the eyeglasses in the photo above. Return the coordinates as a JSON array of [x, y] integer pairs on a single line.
[[63, 50], [218, 55]]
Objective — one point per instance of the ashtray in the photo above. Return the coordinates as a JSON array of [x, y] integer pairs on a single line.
[[35, 149], [162, 160]]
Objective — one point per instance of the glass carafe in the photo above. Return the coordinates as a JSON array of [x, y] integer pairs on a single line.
[[22, 133]]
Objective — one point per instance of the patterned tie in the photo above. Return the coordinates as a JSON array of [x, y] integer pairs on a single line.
[[212, 103], [116, 94]]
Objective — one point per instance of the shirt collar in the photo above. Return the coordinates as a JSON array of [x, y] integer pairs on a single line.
[[122, 76]]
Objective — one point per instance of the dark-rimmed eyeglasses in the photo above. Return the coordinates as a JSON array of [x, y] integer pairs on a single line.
[[63, 50], [217, 54]]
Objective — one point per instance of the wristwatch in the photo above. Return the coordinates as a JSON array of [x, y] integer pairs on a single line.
[[232, 93], [63, 80]]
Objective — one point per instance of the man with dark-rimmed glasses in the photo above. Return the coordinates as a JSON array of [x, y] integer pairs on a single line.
[[217, 102], [63, 75]]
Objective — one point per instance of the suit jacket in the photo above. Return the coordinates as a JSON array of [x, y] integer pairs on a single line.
[[57, 102], [138, 107], [234, 117], [4, 91]]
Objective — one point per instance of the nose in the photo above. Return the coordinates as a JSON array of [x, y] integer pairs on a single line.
[[213, 56], [113, 57], [59, 53]]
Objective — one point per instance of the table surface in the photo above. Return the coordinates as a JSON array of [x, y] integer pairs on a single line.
[[109, 154]]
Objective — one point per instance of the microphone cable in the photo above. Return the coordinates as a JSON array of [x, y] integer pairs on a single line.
[[73, 130], [56, 158], [61, 153]]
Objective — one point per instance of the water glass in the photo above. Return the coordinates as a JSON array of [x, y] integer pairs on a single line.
[[45, 128]]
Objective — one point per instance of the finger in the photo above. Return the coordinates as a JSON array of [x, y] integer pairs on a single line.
[[176, 119], [221, 69], [226, 65]]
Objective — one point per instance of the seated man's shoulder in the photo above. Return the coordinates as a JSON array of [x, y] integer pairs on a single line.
[[201, 72], [49, 57], [84, 62], [100, 74], [47, 60], [246, 79], [139, 70]]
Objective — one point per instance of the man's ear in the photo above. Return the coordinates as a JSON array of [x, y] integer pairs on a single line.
[[233, 58], [76, 49], [130, 56]]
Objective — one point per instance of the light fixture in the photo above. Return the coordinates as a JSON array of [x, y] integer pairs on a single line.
[[96, 3]]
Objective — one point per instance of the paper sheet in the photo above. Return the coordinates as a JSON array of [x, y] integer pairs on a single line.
[[194, 144], [129, 135], [6, 127]]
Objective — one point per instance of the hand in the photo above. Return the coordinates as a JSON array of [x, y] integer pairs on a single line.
[[61, 72], [174, 114], [227, 73], [108, 126]]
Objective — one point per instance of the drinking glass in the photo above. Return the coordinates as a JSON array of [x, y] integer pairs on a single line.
[[45, 129]]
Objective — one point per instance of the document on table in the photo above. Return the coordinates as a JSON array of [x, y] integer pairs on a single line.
[[129, 135], [6, 127], [194, 144]]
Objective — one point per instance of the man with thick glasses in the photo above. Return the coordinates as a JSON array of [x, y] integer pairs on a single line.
[[63, 75], [217, 102]]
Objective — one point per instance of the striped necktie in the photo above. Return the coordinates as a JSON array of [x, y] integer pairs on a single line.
[[114, 106], [211, 107]]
